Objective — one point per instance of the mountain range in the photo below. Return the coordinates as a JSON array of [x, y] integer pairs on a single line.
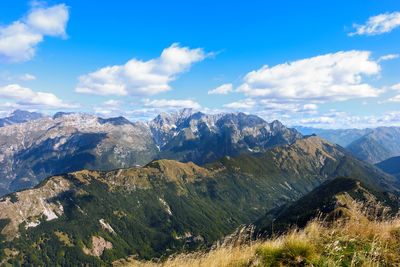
[[97, 217], [391, 166], [20, 116], [43, 146], [372, 144]]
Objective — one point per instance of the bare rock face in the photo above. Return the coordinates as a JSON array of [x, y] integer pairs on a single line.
[[32, 151], [67, 142], [203, 138], [99, 244], [31, 206]]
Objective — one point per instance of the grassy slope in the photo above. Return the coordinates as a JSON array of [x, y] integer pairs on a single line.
[[323, 201], [350, 243], [364, 237]]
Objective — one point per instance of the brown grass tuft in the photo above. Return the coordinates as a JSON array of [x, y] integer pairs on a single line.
[[357, 240]]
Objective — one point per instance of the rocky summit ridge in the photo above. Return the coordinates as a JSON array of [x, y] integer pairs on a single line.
[[33, 150]]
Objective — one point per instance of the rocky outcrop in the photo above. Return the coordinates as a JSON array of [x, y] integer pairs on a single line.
[[203, 138], [32, 151]]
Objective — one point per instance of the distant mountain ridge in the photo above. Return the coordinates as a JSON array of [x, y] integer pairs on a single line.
[[373, 145], [156, 209], [202, 138], [20, 116], [66, 142], [391, 166], [342, 137]]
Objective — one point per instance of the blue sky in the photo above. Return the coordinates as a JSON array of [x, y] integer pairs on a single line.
[[302, 62]]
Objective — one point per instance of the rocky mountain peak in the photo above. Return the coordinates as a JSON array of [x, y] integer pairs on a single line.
[[277, 124], [23, 115], [73, 141], [20, 116], [114, 121]]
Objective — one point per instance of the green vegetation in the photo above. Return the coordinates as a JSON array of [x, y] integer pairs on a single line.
[[359, 237], [324, 201], [169, 207]]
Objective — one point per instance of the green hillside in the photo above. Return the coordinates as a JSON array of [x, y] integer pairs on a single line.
[[331, 200], [340, 223], [98, 217]]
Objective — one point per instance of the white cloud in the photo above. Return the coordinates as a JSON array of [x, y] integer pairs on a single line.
[[325, 78], [388, 57], [343, 120], [172, 104], [50, 21], [110, 108], [141, 78], [287, 107], [222, 90], [6, 76], [396, 98], [395, 87], [26, 77], [28, 98], [380, 24], [242, 104], [393, 99], [310, 107], [113, 103], [18, 41], [270, 108]]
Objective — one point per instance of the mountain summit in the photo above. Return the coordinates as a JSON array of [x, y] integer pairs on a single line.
[[202, 138], [67, 142]]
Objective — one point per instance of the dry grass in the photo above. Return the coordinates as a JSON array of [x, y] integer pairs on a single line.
[[357, 240], [221, 256]]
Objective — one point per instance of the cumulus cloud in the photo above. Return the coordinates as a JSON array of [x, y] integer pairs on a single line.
[[380, 24], [26, 97], [19, 40], [326, 78], [222, 90], [141, 78]]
